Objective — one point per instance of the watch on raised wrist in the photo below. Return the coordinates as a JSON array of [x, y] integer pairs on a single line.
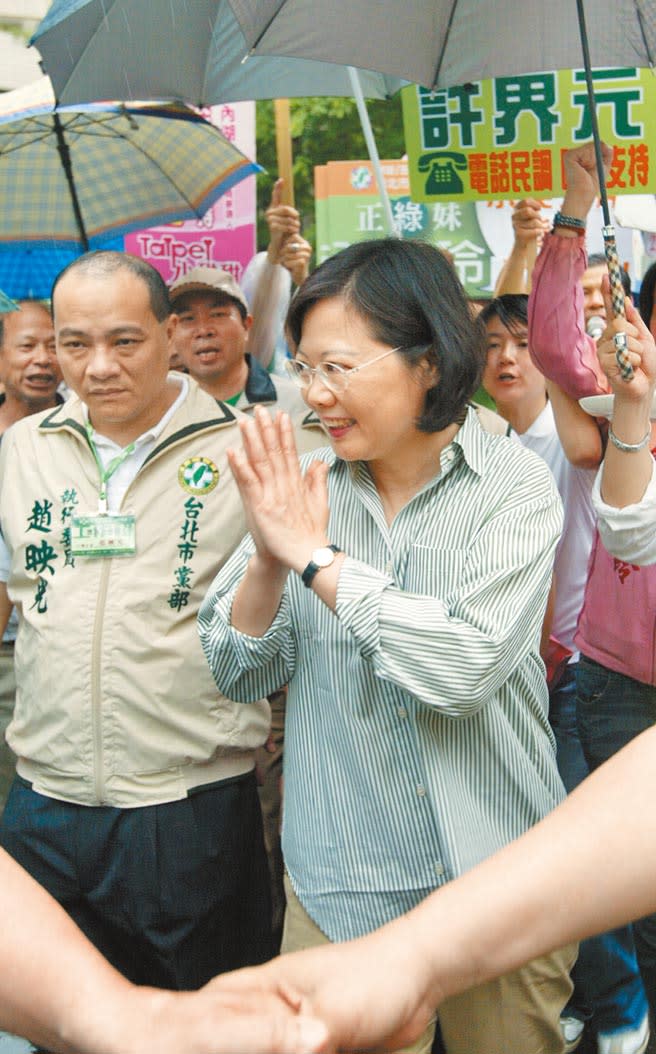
[[319, 558]]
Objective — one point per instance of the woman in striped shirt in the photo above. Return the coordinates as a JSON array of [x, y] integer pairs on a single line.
[[398, 586]]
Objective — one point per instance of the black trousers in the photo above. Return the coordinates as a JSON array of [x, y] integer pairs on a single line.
[[171, 894]]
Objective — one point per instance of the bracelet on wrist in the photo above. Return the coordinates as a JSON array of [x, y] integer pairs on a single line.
[[628, 448], [572, 223]]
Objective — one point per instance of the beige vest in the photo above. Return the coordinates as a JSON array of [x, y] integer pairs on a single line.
[[115, 702]]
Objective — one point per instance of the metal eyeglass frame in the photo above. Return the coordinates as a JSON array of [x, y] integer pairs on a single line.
[[302, 375]]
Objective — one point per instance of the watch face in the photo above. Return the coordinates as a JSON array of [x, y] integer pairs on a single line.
[[323, 557]]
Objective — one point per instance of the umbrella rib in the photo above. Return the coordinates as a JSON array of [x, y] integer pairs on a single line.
[[445, 41], [65, 155], [643, 33], [29, 138], [266, 27]]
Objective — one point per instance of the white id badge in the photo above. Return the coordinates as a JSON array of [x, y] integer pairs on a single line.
[[103, 535]]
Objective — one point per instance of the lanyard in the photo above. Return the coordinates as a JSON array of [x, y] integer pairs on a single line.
[[106, 473]]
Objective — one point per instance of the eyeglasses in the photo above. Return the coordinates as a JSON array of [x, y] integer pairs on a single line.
[[335, 378]]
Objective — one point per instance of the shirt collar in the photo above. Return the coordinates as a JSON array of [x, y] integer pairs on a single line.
[[469, 443], [471, 440]]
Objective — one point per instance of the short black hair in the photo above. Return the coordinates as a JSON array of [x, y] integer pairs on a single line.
[[511, 309], [23, 302], [599, 259], [103, 262], [410, 297], [646, 298]]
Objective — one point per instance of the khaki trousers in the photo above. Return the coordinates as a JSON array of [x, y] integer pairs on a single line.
[[516, 1014]]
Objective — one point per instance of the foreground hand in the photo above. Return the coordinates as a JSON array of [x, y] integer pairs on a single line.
[[286, 512], [369, 993], [641, 352], [217, 1020]]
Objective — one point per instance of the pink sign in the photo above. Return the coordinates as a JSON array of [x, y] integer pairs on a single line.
[[225, 236]]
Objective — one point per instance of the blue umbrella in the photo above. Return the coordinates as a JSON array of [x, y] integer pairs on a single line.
[[6, 304], [29, 272]]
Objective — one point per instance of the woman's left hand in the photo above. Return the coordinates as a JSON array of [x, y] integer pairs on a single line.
[[287, 512]]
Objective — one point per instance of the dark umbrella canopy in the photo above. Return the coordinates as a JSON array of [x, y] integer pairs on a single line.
[[193, 49], [89, 45]]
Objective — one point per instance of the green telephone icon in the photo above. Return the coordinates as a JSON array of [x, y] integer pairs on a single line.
[[442, 167]]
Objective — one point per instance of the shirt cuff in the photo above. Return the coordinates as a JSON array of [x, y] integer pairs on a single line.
[[252, 652], [628, 533], [359, 595]]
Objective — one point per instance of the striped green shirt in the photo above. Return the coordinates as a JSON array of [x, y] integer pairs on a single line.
[[417, 741]]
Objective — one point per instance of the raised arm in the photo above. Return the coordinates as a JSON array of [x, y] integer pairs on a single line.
[[624, 494], [628, 462], [558, 342], [272, 278], [529, 228], [548, 888], [578, 432]]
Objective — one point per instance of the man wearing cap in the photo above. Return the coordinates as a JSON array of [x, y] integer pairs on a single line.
[[210, 332], [135, 802]]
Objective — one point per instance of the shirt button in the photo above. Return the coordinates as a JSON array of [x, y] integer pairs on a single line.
[[389, 568], [439, 869], [421, 791], [402, 712]]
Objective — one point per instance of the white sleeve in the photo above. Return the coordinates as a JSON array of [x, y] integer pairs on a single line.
[[5, 561], [628, 533]]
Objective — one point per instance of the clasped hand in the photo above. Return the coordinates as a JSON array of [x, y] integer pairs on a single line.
[[286, 511]]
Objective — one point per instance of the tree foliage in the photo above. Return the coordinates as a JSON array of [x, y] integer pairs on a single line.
[[323, 129]]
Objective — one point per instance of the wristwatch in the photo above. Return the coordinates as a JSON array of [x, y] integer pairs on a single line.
[[322, 557]]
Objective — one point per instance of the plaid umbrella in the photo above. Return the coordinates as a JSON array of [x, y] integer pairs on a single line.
[[75, 176]]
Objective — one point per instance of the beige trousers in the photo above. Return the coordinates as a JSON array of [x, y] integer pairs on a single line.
[[516, 1014]]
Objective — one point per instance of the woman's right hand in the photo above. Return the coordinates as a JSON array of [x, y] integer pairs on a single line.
[[640, 351]]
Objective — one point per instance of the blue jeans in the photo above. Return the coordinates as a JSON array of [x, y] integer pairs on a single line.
[[612, 709], [607, 981]]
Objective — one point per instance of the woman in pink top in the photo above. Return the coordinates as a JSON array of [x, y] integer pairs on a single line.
[[616, 633]]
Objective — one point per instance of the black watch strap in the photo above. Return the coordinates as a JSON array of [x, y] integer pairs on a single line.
[[307, 577]]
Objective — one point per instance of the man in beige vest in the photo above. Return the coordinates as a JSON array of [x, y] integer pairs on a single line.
[[135, 802]]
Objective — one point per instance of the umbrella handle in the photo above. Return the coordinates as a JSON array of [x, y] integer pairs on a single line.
[[616, 292]]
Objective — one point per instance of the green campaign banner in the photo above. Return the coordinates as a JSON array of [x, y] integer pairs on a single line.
[[476, 234], [504, 138]]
